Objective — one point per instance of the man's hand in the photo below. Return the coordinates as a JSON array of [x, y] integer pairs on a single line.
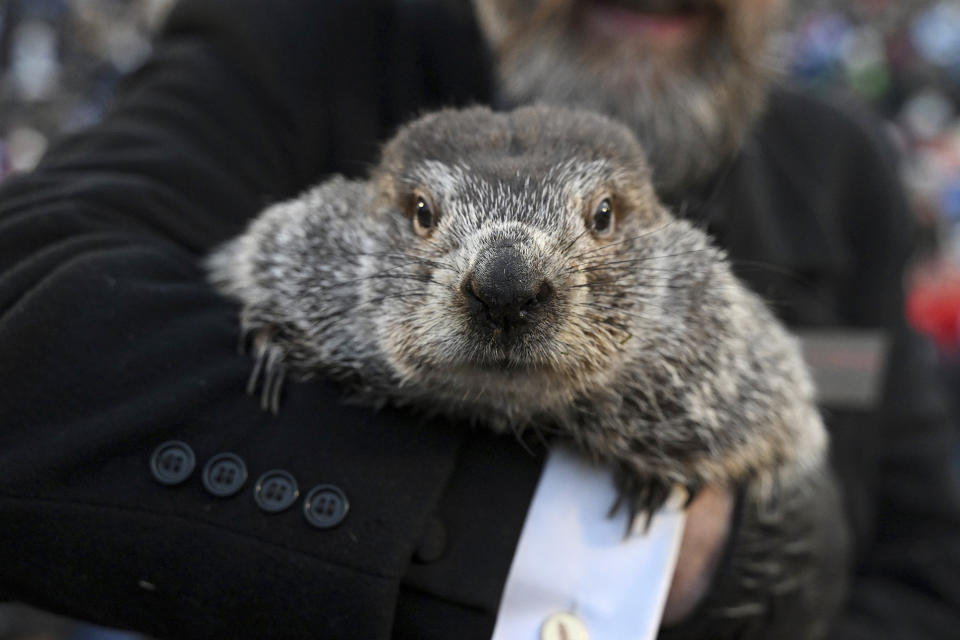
[[704, 537]]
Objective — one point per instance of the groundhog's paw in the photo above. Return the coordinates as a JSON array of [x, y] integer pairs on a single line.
[[269, 370], [642, 495]]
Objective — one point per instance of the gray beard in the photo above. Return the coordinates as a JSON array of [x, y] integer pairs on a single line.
[[689, 122]]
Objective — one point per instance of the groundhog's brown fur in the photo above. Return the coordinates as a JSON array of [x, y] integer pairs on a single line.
[[636, 343]]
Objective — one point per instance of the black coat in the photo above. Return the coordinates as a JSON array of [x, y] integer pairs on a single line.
[[111, 343]]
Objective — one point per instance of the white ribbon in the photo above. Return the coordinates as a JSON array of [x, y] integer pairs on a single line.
[[573, 558]]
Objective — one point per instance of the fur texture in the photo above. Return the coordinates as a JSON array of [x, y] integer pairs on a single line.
[[648, 354]]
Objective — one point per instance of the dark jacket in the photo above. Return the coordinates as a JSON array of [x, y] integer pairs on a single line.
[[112, 343]]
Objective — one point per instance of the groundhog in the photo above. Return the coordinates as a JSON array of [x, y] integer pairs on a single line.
[[517, 270]]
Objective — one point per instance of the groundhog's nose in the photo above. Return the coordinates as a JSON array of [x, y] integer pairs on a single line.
[[503, 291]]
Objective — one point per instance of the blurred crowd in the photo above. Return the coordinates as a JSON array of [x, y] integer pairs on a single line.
[[902, 57], [60, 61]]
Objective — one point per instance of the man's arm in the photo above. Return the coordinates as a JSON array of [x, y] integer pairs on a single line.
[[896, 463], [815, 217], [904, 585], [112, 343]]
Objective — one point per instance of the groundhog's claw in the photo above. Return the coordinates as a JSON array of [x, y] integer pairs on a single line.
[[268, 364], [644, 495]]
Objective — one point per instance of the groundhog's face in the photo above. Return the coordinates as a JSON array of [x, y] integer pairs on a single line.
[[524, 228], [687, 76]]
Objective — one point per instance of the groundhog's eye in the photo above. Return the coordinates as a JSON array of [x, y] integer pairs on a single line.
[[603, 218], [423, 216]]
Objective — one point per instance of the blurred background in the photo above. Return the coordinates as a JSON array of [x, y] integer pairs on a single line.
[[60, 61]]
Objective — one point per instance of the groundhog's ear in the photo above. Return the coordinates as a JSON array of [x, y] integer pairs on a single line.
[[384, 192]]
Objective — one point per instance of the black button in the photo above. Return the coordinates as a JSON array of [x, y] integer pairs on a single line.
[[432, 543], [325, 506], [172, 462], [275, 491], [224, 474]]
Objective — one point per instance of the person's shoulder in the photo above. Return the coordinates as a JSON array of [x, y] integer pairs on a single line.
[[841, 159], [821, 121]]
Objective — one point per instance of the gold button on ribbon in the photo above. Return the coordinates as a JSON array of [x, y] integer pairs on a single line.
[[564, 626]]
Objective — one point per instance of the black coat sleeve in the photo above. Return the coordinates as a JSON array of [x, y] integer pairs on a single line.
[[897, 463], [905, 582], [816, 220], [112, 343]]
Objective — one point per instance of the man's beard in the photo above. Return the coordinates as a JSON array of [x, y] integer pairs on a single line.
[[690, 109]]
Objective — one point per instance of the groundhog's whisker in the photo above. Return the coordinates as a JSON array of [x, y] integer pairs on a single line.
[[343, 310], [399, 255], [625, 311], [402, 276], [640, 288], [596, 283], [613, 287], [607, 265], [703, 271], [594, 251], [386, 273], [570, 243], [593, 319], [822, 298], [343, 283], [617, 275]]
